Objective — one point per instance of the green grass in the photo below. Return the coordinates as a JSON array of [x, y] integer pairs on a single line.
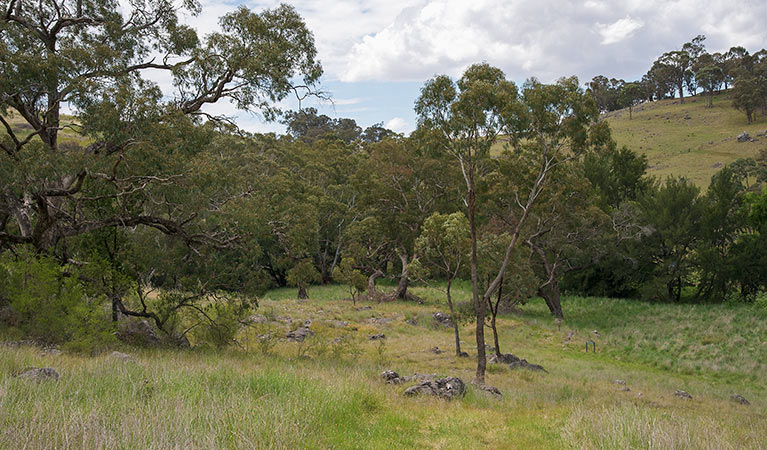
[[696, 147], [326, 393]]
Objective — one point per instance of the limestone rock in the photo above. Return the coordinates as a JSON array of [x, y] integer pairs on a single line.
[[507, 358], [744, 137], [122, 356], [683, 394], [737, 398], [377, 337], [39, 374], [447, 388], [491, 389], [442, 319], [299, 334], [391, 377]]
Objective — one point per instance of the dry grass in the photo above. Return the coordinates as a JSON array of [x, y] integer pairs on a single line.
[[321, 394]]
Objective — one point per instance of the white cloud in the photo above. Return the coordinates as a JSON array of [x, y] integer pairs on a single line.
[[398, 124], [618, 30]]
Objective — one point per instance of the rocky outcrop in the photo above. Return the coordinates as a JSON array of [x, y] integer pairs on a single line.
[[39, 374], [446, 388], [299, 334]]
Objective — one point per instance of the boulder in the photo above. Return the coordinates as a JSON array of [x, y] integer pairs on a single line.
[[338, 323], [50, 351], [737, 398], [744, 137], [299, 334], [377, 337], [391, 377], [442, 319], [490, 389], [523, 364], [139, 332], [683, 394], [507, 358], [620, 382], [419, 377], [39, 374], [446, 388], [463, 355]]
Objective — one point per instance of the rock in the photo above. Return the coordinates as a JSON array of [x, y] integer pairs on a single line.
[[257, 318], [491, 389], [377, 337], [507, 358], [625, 389], [523, 364], [435, 350], [307, 323], [596, 333], [180, 341], [620, 382], [391, 377], [569, 336], [447, 388], [137, 332], [419, 377], [50, 351], [122, 356], [380, 320], [743, 137], [687, 117], [364, 308], [338, 323], [463, 355], [299, 334], [442, 319], [683, 394], [39, 374], [737, 398], [412, 321], [717, 165]]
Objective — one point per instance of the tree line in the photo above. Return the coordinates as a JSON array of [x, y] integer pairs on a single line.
[[691, 69], [143, 205]]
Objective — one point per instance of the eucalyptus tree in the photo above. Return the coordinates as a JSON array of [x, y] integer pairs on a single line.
[[443, 248], [131, 143]]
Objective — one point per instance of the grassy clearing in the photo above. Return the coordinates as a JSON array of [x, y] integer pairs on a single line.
[[326, 393], [688, 139]]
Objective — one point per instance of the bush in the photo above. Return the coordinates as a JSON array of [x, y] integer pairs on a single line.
[[48, 303]]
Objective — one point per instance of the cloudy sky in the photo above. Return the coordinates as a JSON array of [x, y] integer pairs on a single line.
[[378, 53]]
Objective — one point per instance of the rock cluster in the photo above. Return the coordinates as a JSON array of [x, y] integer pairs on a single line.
[[744, 137], [683, 394], [442, 319], [299, 334], [447, 388], [39, 374], [514, 362]]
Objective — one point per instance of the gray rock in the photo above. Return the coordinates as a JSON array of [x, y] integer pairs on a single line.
[[138, 332], [435, 350], [507, 358], [620, 382], [491, 389], [377, 337], [743, 137], [122, 356], [523, 364], [391, 377], [50, 351], [625, 389], [447, 388], [419, 377], [364, 308], [737, 398], [683, 394], [257, 318], [307, 323], [39, 374], [442, 319], [299, 334], [463, 355]]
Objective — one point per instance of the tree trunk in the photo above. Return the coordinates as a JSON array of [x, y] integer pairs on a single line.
[[372, 292], [630, 108], [302, 294], [551, 295], [453, 318], [494, 312], [479, 306], [401, 291]]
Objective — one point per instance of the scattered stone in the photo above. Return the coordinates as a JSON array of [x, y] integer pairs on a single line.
[[744, 137], [364, 308], [436, 350], [447, 388], [491, 389], [625, 389], [413, 321], [507, 358], [307, 323], [122, 356], [391, 377], [442, 319], [596, 333], [338, 323], [737, 398], [377, 337], [620, 382], [380, 320], [683, 394], [299, 334], [39, 374], [523, 364], [50, 351], [463, 355], [284, 319]]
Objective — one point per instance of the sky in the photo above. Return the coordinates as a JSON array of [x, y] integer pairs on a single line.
[[377, 54]]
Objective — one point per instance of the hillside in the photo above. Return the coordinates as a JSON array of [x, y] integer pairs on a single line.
[[327, 391], [688, 139]]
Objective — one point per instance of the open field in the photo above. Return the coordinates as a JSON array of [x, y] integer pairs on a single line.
[[688, 139], [323, 393]]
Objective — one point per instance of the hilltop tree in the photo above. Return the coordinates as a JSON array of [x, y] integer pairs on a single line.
[[675, 66], [709, 77], [630, 95]]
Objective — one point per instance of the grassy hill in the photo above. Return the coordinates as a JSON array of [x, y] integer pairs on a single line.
[[327, 391], [688, 139]]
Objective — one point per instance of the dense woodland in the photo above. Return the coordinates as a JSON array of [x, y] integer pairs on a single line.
[[141, 204]]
